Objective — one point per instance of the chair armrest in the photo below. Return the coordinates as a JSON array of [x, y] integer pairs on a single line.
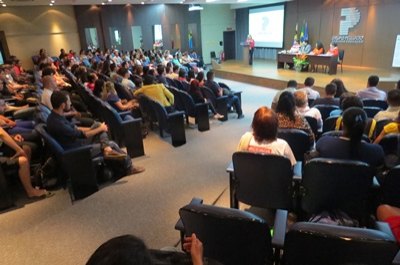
[[385, 228], [278, 238], [179, 225], [396, 260], [175, 114], [124, 113], [80, 149], [222, 98], [131, 121], [198, 105]]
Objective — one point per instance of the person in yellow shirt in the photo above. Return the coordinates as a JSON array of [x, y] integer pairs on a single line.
[[392, 127], [159, 93]]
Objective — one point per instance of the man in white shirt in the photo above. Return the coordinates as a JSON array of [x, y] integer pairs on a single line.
[[372, 92], [291, 87], [308, 88], [392, 111]]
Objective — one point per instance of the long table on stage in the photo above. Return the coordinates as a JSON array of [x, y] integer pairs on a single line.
[[327, 60]]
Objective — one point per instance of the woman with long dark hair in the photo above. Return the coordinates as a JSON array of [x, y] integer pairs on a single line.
[[350, 144], [288, 118]]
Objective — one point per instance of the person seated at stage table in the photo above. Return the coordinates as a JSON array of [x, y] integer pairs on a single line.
[[288, 118], [295, 47], [218, 92], [319, 49], [340, 88], [305, 47], [308, 88], [291, 87], [372, 92], [350, 145], [333, 49], [393, 100], [329, 97], [264, 136], [304, 110]]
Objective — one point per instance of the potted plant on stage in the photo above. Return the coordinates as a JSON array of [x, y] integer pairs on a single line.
[[301, 62]]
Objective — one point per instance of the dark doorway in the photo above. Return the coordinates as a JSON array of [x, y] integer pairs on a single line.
[[229, 45]]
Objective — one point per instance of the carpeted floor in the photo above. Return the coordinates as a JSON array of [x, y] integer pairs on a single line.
[[54, 231]]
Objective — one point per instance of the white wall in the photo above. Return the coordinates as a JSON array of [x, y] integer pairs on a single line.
[[215, 19], [29, 29]]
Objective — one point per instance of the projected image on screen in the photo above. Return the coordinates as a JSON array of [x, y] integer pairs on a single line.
[[266, 26]]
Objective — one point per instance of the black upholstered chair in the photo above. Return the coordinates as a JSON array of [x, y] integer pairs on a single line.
[[390, 144], [220, 104], [262, 180], [170, 81], [325, 110], [178, 103], [230, 236], [390, 187], [316, 244], [334, 184], [6, 197], [379, 126], [313, 124], [179, 85], [371, 111], [83, 180], [173, 122], [375, 103], [197, 110], [298, 140], [340, 133], [329, 124], [123, 92]]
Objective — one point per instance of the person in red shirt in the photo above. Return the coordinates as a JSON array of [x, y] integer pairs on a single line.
[[333, 49], [251, 44]]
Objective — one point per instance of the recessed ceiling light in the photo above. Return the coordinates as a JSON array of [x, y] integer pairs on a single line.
[[51, 4], [3, 5], [142, 3], [103, 3], [52, 1], [241, 1], [109, 0], [210, 1]]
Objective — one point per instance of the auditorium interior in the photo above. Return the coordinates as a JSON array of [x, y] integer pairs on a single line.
[[194, 156]]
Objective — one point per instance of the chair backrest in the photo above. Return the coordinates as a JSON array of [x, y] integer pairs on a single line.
[[178, 101], [315, 244], [390, 144], [375, 103], [371, 111], [325, 110], [329, 124], [123, 92], [178, 84], [54, 146], [298, 140], [263, 180], [208, 94], [334, 184], [170, 81], [379, 126], [160, 112], [230, 236], [341, 55], [43, 113], [313, 124], [188, 102], [340, 133], [391, 187], [147, 110]]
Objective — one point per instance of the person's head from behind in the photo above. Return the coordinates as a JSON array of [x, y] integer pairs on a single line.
[[300, 98], [340, 88], [210, 75], [122, 250], [354, 122], [373, 80], [124, 72], [200, 76], [98, 87], [58, 100], [160, 69], [393, 98], [309, 82], [330, 90], [286, 105], [351, 101], [292, 83], [191, 74], [182, 73], [109, 88], [194, 85], [265, 125], [49, 82]]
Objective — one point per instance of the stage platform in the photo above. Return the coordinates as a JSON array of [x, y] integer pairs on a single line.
[[265, 73]]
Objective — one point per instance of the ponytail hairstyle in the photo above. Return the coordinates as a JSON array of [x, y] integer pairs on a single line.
[[354, 122]]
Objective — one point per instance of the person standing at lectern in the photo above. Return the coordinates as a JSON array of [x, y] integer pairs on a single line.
[[251, 44]]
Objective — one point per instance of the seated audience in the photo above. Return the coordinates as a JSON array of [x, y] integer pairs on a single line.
[[329, 97], [110, 95], [263, 138], [308, 88], [197, 95], [70, 136], [126, 82], [372, 92], [350, 145], [304, 110], [218, 92], [291, 87], [129, 250], [393, 109], [340, 88], [161, 75], [392, 127], [157, 92], [13, 156], [288, 118]]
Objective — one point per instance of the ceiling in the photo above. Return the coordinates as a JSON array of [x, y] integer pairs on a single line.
[[242, 3]]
